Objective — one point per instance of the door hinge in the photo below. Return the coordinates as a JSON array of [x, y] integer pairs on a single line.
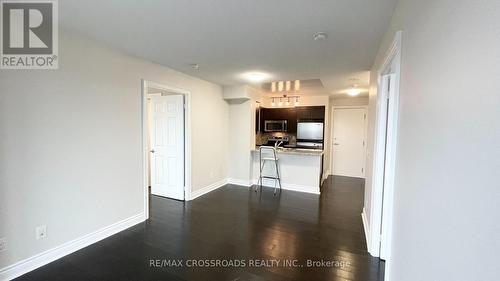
[[362, 170], [363, 143], [364, 116]]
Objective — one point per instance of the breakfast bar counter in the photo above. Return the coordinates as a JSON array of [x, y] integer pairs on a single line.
[[300, 169]]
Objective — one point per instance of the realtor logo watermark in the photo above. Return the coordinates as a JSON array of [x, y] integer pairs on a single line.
[[29, 34]]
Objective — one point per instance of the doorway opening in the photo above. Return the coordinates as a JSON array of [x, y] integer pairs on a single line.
[[166, 142], [386, 131]]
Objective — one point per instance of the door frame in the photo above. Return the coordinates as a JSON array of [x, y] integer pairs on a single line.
[[145, 84], [382, 199], [365, 134]]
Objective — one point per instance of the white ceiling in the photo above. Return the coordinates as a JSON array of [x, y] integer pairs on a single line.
[[229, 37]]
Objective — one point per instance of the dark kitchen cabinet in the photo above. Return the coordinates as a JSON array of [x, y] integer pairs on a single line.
[[311, 113], [291, 114], [288, 114]]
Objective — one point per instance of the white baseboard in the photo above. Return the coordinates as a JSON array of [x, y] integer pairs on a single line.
[[270, 183], [204, 190], [292, 187], [24, 266], [366, 226], [246, 183]]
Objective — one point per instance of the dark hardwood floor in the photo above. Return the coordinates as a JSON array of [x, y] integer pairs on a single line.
[[235, 223]]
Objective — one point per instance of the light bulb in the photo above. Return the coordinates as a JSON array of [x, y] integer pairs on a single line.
[[273, 87], [280, 86], [288, 85], [297, 85], [281, 102], [288, 101], [272, 103], [296, 101]]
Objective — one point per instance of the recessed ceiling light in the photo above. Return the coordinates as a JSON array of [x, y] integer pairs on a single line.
[[319, 36], [353, 92], [255, 76]]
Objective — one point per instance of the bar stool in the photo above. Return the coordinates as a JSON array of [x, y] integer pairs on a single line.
[[268, 154]]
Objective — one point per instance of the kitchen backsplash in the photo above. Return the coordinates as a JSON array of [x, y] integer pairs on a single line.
[[261, 138]]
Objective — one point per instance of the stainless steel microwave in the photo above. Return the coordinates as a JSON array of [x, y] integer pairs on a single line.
[[275, 126]]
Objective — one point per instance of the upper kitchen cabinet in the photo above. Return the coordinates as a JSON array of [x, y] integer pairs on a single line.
[[310, 113], [287, 114], [291, 115]]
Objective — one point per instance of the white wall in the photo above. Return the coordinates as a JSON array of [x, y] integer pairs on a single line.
[[70, 143], [349, 101], [242, 107], [241, 140], [303, 101], [447, 195]]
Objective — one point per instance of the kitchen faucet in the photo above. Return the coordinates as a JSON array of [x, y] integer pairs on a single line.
[[278, 143]]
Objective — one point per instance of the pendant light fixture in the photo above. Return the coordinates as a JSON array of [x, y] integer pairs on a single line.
[[296, 85], [283, 88], [284, 99], [280, 86]]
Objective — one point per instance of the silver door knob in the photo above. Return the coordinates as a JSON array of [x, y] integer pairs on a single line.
[[152, 151], [336, 143]]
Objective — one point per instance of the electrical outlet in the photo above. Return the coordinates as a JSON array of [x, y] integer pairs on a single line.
[[3, 244], [40, 232]]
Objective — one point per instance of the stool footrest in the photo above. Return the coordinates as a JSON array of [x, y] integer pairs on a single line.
[[269, 177]]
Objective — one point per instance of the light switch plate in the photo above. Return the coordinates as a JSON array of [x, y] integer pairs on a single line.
[[3, 244], [40, 232]]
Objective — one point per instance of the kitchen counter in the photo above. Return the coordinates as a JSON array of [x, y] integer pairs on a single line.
[[300, 169], [297, 151]]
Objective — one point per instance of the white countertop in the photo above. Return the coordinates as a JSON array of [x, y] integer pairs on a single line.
[[296, 151]]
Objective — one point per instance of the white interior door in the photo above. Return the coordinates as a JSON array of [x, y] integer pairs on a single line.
[[167, 146], [349, 142]]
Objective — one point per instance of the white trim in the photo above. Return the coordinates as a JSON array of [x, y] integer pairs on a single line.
[[365, 135], [325, 175], [292, 187], [349, 106], [366, 227], [144, 150], [24, 266], [187, 139], [246, 183], [270, 183], [204, 190], [384, 167]]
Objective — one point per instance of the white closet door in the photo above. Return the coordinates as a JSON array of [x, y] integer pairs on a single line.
[[167, 143]]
